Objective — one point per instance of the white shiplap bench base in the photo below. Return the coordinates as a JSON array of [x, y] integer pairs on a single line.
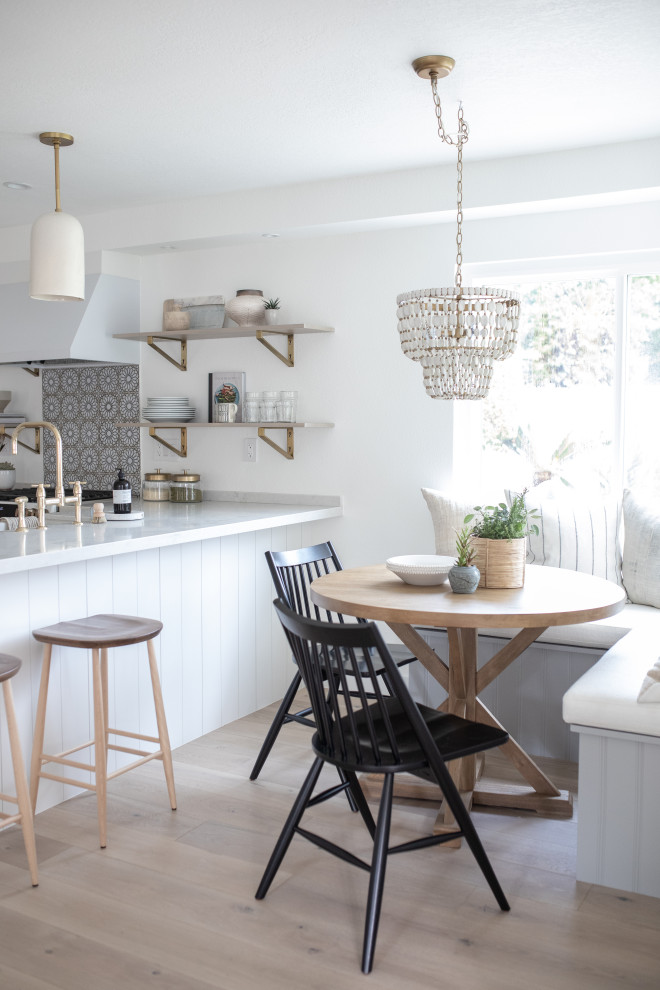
[[619, 769]]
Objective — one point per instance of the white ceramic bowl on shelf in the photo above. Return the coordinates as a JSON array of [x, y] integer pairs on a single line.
[[421, 569]]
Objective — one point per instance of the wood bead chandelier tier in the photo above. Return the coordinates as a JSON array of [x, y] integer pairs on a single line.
[[456, 333]]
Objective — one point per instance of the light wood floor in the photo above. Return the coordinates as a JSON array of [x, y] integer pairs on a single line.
[[170, 902]]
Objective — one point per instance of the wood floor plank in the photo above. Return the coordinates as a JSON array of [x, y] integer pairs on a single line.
[[170, 902]]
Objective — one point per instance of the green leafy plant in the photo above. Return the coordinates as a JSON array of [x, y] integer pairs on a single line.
[[503, 522], [272, 304], [465, 552], [6, 466]]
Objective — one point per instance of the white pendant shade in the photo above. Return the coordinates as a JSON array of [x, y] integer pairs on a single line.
[[57, 258]]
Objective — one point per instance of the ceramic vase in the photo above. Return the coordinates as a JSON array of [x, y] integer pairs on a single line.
[[464, 580], [247, 309], [271, 317]]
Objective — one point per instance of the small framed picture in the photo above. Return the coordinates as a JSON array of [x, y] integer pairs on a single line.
[[226, 387]]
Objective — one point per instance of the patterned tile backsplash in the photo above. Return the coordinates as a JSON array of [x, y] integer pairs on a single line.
[[85, 403]]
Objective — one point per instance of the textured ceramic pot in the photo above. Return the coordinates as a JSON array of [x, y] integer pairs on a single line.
[[247, 309], [464, 580], [271, 317], [7, 479]]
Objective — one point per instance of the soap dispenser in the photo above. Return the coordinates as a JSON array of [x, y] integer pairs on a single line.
[[121, 494]]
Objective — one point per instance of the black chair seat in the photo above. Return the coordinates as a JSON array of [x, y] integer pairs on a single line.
[[364, 746]]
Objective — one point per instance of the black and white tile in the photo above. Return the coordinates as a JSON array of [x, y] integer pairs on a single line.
[[86, 404]]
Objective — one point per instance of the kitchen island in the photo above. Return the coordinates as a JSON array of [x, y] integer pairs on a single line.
[[200, 569]]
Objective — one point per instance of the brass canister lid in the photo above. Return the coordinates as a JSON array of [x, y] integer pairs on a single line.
[[157, 476], [185, 477]]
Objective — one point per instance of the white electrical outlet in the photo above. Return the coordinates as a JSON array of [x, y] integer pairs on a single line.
[[250, 449]]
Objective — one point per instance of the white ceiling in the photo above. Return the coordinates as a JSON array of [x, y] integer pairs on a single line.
[[171, 99]]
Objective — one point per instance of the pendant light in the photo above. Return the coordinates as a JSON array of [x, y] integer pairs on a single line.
[[57, 247], [456, 333]]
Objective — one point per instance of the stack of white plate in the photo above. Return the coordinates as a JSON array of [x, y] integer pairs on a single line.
[[163, 408]]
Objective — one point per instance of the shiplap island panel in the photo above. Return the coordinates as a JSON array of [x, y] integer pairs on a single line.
[[198, 568]]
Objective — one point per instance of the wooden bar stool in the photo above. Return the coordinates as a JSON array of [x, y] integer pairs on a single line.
[[9, 666], [99, 633]]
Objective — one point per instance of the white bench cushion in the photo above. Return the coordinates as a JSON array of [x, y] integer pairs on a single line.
[[606, 696], [600, 635]]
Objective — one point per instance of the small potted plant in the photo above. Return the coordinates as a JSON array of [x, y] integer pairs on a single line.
[[464, 576], [500, 541], [7, 475], [272, 311]]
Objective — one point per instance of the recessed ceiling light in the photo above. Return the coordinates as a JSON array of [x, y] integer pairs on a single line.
[[270, 235], [17, 185]]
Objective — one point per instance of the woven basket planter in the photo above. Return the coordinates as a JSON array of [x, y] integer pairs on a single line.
[[501, 562]]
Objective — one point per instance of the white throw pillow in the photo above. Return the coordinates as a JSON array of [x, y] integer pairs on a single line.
[[447, 515], [641, 562], [650, 689], [578, 534]]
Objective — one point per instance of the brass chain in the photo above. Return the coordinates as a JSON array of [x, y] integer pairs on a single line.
[[461, 139]]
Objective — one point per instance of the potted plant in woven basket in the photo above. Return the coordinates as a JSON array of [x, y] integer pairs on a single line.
[[499, 539]]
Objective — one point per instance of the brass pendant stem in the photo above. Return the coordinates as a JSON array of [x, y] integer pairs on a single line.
[[58, 207]]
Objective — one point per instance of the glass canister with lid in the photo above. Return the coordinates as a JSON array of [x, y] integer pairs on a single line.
[[185, 487], [156, 487]]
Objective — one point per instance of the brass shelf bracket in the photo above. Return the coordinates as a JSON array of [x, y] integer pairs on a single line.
[[288, 452], [181, 364], [35, 374], [287, 358], [21, 443], [182, 449]]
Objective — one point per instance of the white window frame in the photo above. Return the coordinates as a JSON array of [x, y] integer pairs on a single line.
[[467, 439]]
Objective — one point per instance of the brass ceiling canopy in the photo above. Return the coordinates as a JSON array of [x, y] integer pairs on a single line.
[[429, 65], [51, 138], [455, 333]]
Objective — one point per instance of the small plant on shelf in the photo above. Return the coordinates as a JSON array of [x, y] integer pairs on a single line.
[[272, 304], [6, 466], [503, 522]]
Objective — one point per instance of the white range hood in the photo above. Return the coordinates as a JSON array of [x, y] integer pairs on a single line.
[[43, 334]]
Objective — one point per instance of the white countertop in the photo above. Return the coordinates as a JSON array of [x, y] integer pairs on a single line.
[[164, 524]]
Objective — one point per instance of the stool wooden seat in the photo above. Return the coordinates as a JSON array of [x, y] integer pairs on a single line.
[[9, 666], [99, 633]]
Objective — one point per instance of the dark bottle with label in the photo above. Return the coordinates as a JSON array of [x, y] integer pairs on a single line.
[[121, 494]]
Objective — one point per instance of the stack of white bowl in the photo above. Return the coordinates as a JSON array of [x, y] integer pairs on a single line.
[[168, 408]]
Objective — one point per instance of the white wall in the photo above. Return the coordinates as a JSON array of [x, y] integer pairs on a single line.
[[389, 438]]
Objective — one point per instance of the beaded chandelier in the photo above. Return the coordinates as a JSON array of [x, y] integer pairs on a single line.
[[456, 333]]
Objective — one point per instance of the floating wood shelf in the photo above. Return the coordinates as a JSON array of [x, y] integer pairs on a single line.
[[261, 428], [181, 337]]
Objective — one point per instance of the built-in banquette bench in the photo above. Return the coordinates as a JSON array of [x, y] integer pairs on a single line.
[[615, 709], [579, 535]]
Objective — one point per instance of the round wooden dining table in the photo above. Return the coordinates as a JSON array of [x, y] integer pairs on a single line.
[[550, 596]]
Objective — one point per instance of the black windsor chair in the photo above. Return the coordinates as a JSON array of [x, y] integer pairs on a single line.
[[293, 571], [390, 735]]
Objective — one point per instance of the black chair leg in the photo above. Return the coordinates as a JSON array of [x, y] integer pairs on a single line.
[[276, 725], [287, 833], [357, 794], [377, 878], [464, 822]]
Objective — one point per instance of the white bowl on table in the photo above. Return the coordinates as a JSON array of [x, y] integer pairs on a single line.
[[421, 569]]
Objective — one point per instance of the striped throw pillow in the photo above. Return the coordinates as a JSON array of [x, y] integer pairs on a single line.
[[580, 535]]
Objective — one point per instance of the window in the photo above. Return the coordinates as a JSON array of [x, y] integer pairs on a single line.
[[579, 401]]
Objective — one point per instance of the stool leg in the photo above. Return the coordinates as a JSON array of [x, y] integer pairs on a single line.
[[104, 687], [161, 721], [22, 795], [39, 728], [100, 752]]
